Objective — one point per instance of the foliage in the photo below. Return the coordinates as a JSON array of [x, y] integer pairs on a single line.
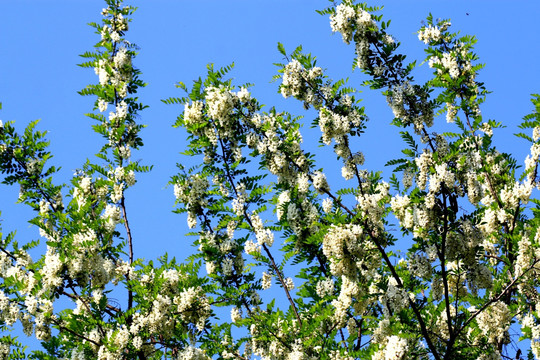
[[465, 289]]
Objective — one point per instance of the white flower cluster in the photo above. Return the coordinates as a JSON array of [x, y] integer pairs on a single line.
[[239, 203], [381, 334], [319, 182], [293, 81], [400, 207], [86, 260], [283, 199], [193, 306], [372, 206], [343, 21], [401, 97], [252, 248], [423, 163], [448, 62], [193, 113], [51, 271], [479, 276], [511, 196], [327, 205], [336, 240], [531, 163], [122, 58], [219, 107], [325, 287], [441, 325], [350, 294], [336, 126], [451, 112], [4, 351], [527, 254], [266, 280], [289, 283], [117, 24], [230, 253], [236, 314], [395, 298], [192, 193], [495, 321], [528, 321], [300, 83], [420, 266], [442, 176], [347, 18], [302, 216], [9, 311], [278, 139], [192, 353], [112, 216], [115, 71], [396, 348], [352, 258], [267, 348], [264, 235], [220, 103], [430, 33], [121, 113]]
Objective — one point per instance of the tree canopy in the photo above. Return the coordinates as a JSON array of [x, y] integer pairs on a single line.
[[434, 256]]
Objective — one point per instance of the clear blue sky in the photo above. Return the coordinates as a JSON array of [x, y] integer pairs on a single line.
[[41, 40]]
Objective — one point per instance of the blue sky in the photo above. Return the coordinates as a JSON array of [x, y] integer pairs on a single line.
[[40, 41]]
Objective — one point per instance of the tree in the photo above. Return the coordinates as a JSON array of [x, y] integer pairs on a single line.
[[465, 289]]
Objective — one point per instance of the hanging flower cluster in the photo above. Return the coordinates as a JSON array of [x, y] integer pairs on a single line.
[[439, 260]]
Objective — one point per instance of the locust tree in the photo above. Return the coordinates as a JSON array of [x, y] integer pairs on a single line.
[[264, 215]]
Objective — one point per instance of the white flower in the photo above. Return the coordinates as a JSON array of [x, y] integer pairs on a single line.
[[102, 105], [283, 199], [388, 39], [396, 348], [193, 113], [129, 178], [266, 280], [243, 95], [495, 321], [325, 287], [293, 80], [137, 342], [220, 103], [429, 33], [115, 36], [227, 267], [536, 132], [320, 183], [43, 207], [122, 58], [347, 172], [451, 112], [112, 215], [303, 183], [343, 21], [236, 314], [289, 283], [191, 220], [210, 267], [252, 248], [314, 73], [327, 205], [191, 353]]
